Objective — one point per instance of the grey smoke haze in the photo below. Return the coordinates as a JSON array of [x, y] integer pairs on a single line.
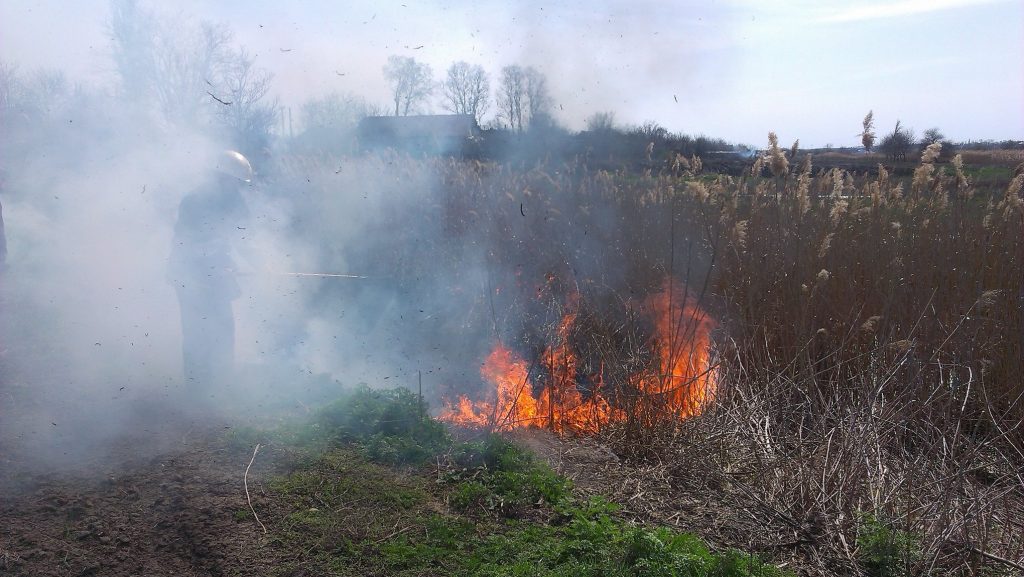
[[90, 338], [732, 69], [90, 324], [89, 321], [92, 178]]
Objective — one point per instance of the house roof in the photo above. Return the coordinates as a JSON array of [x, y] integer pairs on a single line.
[[455, 126]]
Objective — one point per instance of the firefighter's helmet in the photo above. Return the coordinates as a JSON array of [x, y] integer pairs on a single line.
[[235, 165]]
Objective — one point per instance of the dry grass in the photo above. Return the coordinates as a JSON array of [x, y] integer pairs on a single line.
[[871, 364], [871, 334], [1004, 158]]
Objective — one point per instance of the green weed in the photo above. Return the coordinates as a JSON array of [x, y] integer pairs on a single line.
[[885, 551], [391, 425], [508, 514], [593, 544], [500, 477]]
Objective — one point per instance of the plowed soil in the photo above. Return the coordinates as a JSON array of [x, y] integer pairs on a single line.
[[169, 500]]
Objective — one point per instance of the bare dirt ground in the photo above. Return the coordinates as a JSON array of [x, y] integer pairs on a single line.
[[115, 482], [144, 508]]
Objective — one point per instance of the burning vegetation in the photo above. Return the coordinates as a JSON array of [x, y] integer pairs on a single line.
[[554, 391], [829, 350], [814, 343]]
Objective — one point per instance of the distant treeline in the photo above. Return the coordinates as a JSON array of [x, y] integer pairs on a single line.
[[645, 147]]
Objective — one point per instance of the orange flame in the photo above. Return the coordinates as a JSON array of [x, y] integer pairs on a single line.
[[513, 405], [561, 402], [681, 385], [685, 381]]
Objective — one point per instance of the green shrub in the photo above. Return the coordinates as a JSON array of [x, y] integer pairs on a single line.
[[493, 453], [538, 485], [392, 425], [509, 493], [501, 477], [591, 533], [734, 563], [500, 454], [468, 495], [883, 550]]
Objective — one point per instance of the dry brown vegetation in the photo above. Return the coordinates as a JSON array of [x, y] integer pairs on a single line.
[[1004, 158], [869, 350], [872, 365]]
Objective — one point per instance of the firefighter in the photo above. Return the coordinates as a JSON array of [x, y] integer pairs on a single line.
[[210, 220]]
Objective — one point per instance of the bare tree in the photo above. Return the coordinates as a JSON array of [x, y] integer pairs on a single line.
[[522, 96], [192, 74], [251, 115], [601, 122], [512, 96], [336, 111], [32, 98], [898, 144], [170, 62], [537, 95], [11, 93], [467, 89], [48, 92], [329, 123], [411, 83], [650, 131], [931, 136], [189, 64], [133, 45]]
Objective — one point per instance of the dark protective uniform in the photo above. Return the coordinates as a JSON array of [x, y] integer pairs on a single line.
[[202, 272]]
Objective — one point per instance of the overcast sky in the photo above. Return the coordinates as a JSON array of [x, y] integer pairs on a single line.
[[736, 69]]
